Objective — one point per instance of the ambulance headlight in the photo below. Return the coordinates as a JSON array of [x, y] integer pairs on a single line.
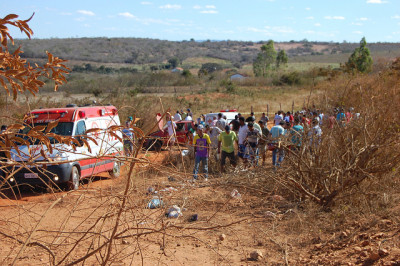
[[61, 156]]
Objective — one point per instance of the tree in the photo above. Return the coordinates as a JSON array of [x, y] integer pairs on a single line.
[[174, 62], [360, 60], [16, 74], [265, 59], [209, 68], [281, 59]]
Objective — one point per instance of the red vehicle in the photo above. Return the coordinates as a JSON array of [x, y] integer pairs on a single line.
[[159, 139]]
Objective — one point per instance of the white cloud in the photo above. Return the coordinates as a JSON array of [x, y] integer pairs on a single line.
[[308, 8], [376, 2], [317, 24], [146, 3], [209, 12], [309, 32], [283, 29], [311, 17], [396, 17], [169, 6], [334, 17], [211, 7], [356, 23], [196, 7], [358, 32], [363, 19], [126, 15], [86, 12]]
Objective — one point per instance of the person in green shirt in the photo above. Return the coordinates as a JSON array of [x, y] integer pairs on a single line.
[[227, 139]]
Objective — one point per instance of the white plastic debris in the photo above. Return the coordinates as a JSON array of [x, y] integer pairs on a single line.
[[168, 189], [174, 212], [235, 194]]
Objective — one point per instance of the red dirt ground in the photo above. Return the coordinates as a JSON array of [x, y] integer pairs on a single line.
[[227, 231]]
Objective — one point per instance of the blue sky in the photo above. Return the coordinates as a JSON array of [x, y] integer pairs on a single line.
[[254, 20]]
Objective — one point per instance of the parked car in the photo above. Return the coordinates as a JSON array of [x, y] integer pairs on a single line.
[[159, 139]]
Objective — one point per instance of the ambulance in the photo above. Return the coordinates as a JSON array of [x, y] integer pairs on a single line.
[[93, 148], [229, 113]]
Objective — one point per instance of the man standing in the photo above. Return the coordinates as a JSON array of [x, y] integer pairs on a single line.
[[262, 144], [201, 144], [128, 138], [278, 118], [227, 138], [315, 135], [265, 119], [296, 134], [188, 117], [276, 133], [214, 133], [242, 134], [252, 137], [171, 126], [177, 116], [235, 124], [221, 123]]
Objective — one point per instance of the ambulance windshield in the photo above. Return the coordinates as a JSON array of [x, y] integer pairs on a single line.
[[62, 129]]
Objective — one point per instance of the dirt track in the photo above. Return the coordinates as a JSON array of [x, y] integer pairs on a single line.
[[227, 231]]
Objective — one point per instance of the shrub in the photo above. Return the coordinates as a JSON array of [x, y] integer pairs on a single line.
[[364, 150], [292, 78]]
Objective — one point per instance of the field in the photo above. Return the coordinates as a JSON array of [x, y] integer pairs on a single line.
[[334, 201]]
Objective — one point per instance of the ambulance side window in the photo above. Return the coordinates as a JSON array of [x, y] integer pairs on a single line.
[[80, 128]]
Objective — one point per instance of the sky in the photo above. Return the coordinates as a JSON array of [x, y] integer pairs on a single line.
[[177, 20]]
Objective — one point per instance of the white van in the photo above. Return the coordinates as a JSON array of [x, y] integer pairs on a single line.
[[94, 154], [230, 115]]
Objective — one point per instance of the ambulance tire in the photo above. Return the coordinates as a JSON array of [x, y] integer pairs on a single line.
[[155, 145], [73, 183], [116, 171]]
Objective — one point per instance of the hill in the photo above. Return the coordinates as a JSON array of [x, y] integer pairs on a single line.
[[138, 51]]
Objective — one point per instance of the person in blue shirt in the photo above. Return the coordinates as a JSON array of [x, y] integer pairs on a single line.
[[276, 133], [341, 117], [296, 134], [128, 139]]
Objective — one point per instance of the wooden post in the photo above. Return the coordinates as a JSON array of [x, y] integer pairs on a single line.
[[280, 106], [252, 108], [267, 110], [292, 107]]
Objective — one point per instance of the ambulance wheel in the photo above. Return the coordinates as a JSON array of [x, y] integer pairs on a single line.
[[154, 145], [116, 171], [73, 183]]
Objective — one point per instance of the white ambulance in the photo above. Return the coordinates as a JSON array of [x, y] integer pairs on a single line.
[[93, 152], [229, 113]]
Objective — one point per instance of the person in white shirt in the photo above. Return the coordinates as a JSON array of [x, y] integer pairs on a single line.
[[177, 116], [171, 126], [188, 118], [242, 134], [221, 123], [278, 118]]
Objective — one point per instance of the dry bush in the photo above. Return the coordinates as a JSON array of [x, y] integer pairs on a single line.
[[363, 150]]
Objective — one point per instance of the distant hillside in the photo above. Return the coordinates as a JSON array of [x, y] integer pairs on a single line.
[[152, 51]]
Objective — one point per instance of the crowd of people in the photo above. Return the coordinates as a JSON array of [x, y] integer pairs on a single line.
[[247, 140]]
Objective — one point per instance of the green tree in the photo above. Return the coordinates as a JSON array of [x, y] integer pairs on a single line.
[[360, 60], [265, 59], [281, 59], [174, 62]]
